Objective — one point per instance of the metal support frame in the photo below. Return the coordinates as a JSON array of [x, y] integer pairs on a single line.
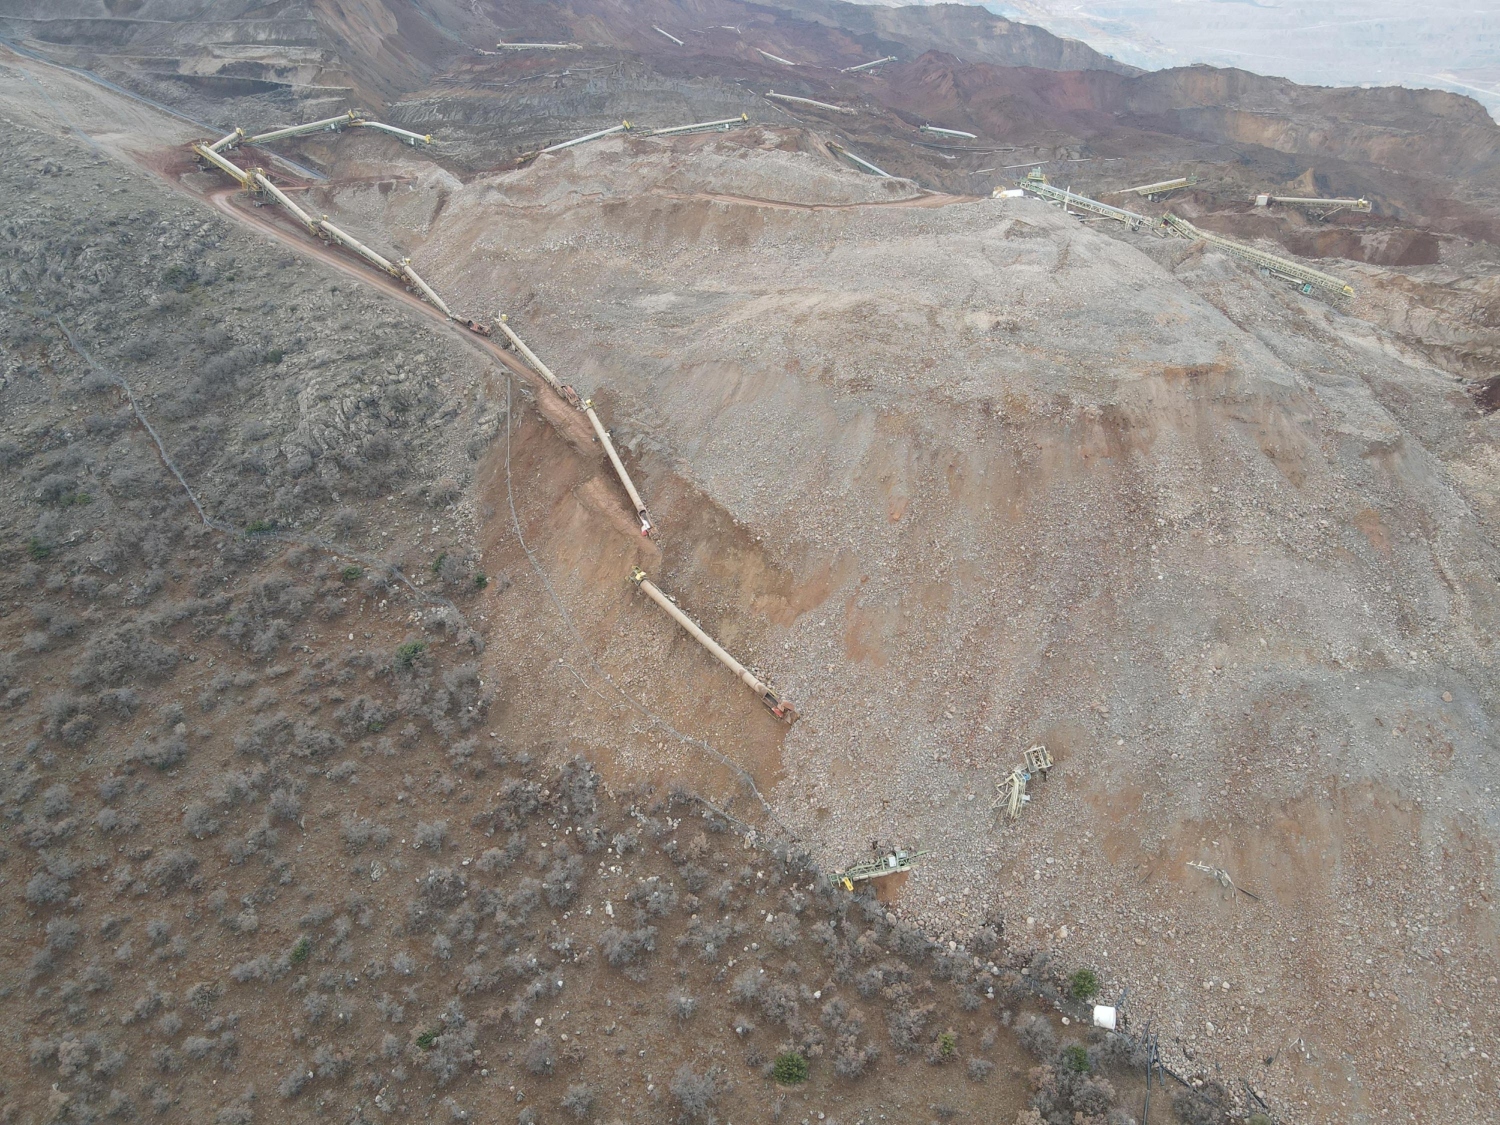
[[792, 99], [327, 124], [867, 65], [773, 703], [860, 161], [1038, 760], [281, 197], [892, 863], [1163, 187], [622, 127], [702, 127], [228, 141], [348, 241], [241, 176], [948, 132], [1313, 203], [1305, 276], [1010, 793], [406, 135], [1037, 184]]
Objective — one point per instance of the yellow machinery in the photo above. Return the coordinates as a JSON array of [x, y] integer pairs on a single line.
[[889, 864]]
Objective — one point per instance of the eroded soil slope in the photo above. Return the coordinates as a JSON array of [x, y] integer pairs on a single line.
[[1227, 550], [294, 825]]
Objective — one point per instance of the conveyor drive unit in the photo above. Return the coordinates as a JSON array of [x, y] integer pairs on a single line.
[[892, 863], [1305, 276], [773, 703]]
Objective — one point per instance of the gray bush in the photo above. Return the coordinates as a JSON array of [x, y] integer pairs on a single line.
[[431, 834], [579, 1100], [540, 1056], [694, 1093]]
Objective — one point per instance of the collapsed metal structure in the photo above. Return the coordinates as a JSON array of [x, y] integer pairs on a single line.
[[1011, 794]]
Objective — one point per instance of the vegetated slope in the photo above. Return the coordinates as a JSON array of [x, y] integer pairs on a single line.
[[1228, 551], [803, 383], [278, 846]]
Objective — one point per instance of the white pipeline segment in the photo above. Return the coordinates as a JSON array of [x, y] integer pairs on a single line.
[[328, 123], [623, 127], [865, 164], [1308, 277], [867, 65], [426, 290], [777, 58], [614, 459], [223, 165], [587, 406], [536, 364], [790, 99], [352, 243], [406, 135], [539, 46], [782, 709], [280, 197], [701, 126], [949, 132], [227, 141], [669, 35]]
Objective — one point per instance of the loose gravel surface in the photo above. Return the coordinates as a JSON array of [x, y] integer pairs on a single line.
[[965, 478], [1224, 549]]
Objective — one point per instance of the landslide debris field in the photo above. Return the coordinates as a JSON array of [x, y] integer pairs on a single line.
[[347, 775]]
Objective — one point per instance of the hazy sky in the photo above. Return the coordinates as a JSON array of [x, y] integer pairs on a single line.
[[1448, 44]]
